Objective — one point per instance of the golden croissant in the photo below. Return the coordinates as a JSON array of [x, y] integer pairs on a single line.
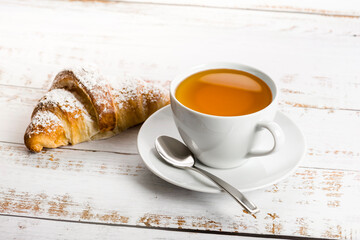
[[82, 105]]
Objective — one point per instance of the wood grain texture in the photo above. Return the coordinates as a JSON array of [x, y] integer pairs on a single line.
[[25, 228], [348, 8], [313, 58], [114, 188], [335, 149], [158, 41], [99, 187]]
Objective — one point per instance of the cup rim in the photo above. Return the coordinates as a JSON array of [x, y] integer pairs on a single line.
[[222, 65]]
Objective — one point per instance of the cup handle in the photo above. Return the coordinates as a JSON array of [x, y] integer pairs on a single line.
[[278, 136]]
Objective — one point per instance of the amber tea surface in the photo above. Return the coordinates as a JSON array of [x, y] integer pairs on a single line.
[[224, 92]]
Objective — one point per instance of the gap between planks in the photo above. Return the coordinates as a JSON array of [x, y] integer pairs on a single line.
[[136, 154], [74, 149], [287, 10], [166, 229]]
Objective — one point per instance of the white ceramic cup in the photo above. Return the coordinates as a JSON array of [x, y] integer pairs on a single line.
[[222, 141]]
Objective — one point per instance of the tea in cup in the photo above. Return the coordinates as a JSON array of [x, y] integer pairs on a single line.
[[219, 107]]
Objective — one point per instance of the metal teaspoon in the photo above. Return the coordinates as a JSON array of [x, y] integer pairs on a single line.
[[177, 154]]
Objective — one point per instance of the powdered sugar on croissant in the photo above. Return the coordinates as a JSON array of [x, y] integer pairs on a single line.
[[83, 105]]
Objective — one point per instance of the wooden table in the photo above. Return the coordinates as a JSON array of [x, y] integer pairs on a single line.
[[102, 189]]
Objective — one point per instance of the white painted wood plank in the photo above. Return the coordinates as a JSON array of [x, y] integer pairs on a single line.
[[313, 58], [331, 134], [27, 228], [114, 188], [322, 7]]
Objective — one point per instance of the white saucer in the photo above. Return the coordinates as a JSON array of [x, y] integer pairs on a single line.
[[257, 172]]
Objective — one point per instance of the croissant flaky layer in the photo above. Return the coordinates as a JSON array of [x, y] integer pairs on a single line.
[[82, 105]]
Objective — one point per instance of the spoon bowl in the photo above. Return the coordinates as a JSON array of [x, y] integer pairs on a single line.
[[174, 152]]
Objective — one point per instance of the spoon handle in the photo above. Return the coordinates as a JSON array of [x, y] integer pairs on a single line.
[[236, 194]]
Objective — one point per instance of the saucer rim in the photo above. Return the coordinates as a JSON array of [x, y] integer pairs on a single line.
[[217, 190]]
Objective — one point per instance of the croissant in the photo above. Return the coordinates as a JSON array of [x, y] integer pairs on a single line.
[[81, 106]]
